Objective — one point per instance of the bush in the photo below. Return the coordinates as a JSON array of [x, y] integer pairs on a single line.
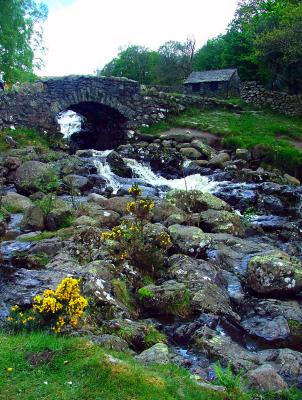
[[54, 309], [133, 243]]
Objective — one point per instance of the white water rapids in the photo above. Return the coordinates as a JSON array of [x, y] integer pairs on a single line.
[[145, 175]]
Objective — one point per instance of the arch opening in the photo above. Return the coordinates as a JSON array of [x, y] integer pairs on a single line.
[[92, 125]]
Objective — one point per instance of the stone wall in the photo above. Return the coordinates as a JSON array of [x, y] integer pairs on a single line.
[[253, 93], [37, 105]]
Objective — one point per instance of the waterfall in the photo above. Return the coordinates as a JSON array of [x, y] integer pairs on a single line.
[[143, 175], [70, 123]]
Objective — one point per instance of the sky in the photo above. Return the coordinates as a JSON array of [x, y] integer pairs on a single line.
[[83, 35]]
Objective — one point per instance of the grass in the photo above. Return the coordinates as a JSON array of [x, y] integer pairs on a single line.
[[64, 234], [24, 137], [80, 370], [43, 366], [244, 130]]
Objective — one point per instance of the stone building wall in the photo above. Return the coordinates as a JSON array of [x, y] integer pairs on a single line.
[[253, 93]]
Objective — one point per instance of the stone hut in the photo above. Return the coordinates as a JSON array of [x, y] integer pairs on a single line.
[[218, 83]]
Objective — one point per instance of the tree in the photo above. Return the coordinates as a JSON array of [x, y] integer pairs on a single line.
[[134, 62], [20, 37], [175, 61]]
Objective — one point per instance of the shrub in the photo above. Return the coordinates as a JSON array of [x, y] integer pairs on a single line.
[[49, 184], [144, 251], [54, 309]]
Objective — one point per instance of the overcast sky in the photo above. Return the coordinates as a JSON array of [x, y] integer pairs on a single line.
[[83, 35]]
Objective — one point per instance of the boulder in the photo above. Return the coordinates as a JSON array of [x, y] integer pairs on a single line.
[[243, 154], [33, 219], [268, 328], [207, 151], [221, 222], [171, 297], [110, 342], [77, 183], [219, 160], [196, 200], [157, 354], [164, 210], [190, 152], [58, 218], [275, 273], [266, 378], [16, 201], [214, 300], [28, 174], [118, 165], [291, 180], [189, 240]]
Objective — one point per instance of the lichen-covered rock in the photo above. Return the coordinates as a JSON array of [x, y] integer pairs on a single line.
[[275, 273], [157, 354], [266, 378], [28, 174], [77, 183], [190, 152], [110, 342], [219, 160], [214, 300], [33, 219], [196, 201], [164, 210], [222, 222], [58, 218], [171, 297], [16, 201], [189, 239], [204, 149]]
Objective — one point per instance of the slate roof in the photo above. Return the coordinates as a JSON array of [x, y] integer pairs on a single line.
[[219, 75]]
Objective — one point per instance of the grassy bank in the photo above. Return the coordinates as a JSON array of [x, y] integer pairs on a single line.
[[42, 366], [24, 137], [246, 129]]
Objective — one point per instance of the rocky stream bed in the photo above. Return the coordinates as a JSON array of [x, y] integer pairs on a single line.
[[235, 263]]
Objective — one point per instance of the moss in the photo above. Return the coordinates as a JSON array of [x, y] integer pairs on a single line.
[[145, 293], [63, 234], [153, 336], [122, 293], [181, 306], [295, 327]]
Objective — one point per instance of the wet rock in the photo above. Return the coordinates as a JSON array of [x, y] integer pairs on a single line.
[[221, 222], [190, 153], [118, 165], [266, 327], [33, 219], [272, 204], [234, 287], [3, 228], [189, 239], [266, 378], [97, 198], [28, 174], [49, 247], [219, 160], [157, 354], [275, 273], [16, 201]]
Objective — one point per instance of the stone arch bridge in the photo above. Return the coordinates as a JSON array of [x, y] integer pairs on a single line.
[[111, 106]]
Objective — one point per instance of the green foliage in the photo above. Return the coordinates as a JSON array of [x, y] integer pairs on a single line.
[[225, 377], [76, 369], [49, 184], [181, 306], [24, 137], [167, 66], [145, 293], [122, 293], [246, 129], [20, 36]]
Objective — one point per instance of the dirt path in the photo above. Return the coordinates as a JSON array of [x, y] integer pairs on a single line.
[[190, 134]]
